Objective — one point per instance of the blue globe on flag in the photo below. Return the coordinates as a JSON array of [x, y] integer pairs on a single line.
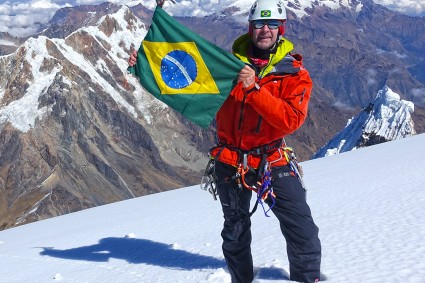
[[178, 69]]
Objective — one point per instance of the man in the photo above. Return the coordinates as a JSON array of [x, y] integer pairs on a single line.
[[269, 102]]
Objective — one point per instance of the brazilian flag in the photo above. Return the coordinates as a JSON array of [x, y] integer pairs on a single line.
[[186, 72]]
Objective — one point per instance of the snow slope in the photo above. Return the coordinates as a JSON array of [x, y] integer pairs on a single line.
[[369, 206]]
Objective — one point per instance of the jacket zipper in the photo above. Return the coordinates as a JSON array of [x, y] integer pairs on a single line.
[[260, 119], [241, 115], [265, 67], [243, 104], [241, 121], [302, 96]]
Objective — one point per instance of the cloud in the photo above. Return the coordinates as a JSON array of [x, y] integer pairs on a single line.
[[25, 18], [418, 96], [371, 77], [87, 2], [122, 2], [408, 7], [343, 106]]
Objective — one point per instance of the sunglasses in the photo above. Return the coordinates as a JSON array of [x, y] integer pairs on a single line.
[[272, 24]]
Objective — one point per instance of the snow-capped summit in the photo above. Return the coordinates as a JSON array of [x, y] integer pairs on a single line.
[[202, 8], [386, 118]]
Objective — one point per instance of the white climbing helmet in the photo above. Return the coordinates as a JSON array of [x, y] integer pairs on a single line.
[[267, 10]]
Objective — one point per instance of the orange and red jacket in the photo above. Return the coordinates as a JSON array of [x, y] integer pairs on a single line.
[[273, 108]]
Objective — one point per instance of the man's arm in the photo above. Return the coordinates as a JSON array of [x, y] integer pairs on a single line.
[[288, 110]]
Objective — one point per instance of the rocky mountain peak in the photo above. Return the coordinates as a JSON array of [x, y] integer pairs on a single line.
[[69, 19], [386, 118], [306, 8], [8, 43]]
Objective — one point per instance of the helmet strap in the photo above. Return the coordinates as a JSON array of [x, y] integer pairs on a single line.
[[282, 29]]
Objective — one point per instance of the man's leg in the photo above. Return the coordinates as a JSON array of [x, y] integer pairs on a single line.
[[236, 233], [297, 225]]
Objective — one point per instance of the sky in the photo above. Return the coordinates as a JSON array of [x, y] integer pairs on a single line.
[[368, 204], [23, 17]]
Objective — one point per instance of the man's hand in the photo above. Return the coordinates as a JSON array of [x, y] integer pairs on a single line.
[[160, 3], [247, 76], [247, 79], [133, 58]]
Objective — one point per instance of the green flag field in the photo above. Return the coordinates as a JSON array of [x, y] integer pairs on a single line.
[[185, 71]]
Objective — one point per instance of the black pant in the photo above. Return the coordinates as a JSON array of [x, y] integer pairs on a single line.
[[292, 211]]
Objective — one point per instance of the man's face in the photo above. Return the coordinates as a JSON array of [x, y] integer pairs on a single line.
[[265, 36]]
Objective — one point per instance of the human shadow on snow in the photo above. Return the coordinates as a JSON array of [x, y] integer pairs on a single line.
[[137, 251], [142, 251]]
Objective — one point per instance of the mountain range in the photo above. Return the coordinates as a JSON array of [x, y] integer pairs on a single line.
[[77, 131]]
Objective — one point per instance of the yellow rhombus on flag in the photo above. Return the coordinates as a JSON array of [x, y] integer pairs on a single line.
[[178, 68], [185, 71]]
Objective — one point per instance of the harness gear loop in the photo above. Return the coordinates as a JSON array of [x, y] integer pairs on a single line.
[[293, 163], [262, 187], [245, 161], [263, 184], [266, 191], [209, 179]]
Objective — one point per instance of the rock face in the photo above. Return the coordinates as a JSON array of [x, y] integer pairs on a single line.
[[8, 43], [77, 131], [67, 20], [385, 119]]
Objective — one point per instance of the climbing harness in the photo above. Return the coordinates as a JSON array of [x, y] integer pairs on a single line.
[[262, 186]]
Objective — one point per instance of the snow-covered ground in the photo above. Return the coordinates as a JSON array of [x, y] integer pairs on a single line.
[[369, 205]]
